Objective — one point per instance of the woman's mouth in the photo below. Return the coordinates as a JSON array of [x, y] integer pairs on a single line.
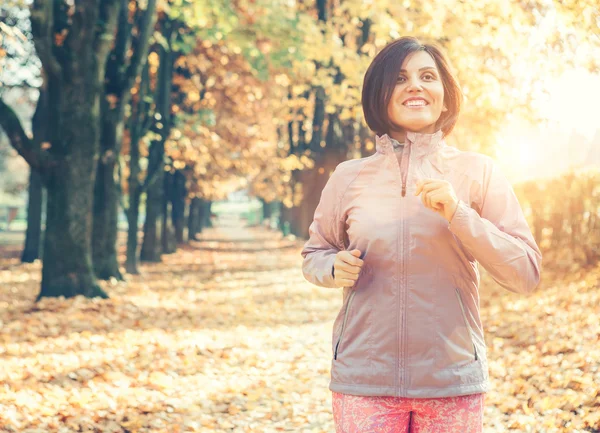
[[415, 103]]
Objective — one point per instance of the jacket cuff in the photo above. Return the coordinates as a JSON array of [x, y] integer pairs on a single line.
[[460, 214], [329, 280], [318, 269]]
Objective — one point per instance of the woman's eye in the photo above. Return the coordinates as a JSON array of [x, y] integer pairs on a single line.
[[427, 76]]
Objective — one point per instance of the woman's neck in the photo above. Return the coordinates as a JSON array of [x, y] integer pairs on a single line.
[[399, 136]]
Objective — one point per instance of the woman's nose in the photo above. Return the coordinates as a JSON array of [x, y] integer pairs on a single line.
[[414, 85]]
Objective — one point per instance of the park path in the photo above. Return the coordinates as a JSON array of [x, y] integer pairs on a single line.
[[226, 336]]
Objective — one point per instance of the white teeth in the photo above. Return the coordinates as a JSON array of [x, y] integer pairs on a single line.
[[415, 103]]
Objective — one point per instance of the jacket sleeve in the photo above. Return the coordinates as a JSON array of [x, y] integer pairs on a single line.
[[325, 236], [499, 238]]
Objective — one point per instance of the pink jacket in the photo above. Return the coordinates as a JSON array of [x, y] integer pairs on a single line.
[[410, 325]]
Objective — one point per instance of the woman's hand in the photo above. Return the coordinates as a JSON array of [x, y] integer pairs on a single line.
[[439, 196], [346, 268]]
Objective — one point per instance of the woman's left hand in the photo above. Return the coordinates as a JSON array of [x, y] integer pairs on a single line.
[[439, 196]]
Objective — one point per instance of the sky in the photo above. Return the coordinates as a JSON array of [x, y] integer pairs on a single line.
[[570, 139]]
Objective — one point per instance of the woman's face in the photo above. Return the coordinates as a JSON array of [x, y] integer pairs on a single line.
[[418, 98]]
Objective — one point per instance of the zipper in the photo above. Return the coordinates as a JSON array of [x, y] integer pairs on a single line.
[[404, 173], [462, 309], [402, 329], [344, 323], [402, 343], [402, 293]]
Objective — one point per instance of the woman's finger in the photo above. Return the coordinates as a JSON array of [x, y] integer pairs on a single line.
[[346, 283], [350, 259], [427, 200], [347, 271]]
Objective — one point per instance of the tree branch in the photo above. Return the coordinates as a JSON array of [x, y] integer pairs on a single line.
[[140, 53], [109, 13], [151, 175], [20, 141], [123, 38], [42, 24]]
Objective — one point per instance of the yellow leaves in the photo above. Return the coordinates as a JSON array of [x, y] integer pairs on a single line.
[[541, 373], [221, 336], [160, 380]]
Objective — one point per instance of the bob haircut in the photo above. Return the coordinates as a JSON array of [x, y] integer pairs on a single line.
[[382, 74]]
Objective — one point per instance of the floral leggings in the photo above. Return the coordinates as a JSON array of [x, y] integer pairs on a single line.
[[387, 414]]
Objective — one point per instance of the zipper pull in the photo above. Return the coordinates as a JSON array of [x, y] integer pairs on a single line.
[[404, 173]]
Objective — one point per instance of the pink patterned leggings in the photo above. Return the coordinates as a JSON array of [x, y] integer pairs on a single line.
[[386, 414]]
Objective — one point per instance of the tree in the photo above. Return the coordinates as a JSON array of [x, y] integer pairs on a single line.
[[152, 246], [123, 68], [72, 42], [20, 73]]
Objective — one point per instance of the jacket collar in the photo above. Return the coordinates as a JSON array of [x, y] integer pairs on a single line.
[[421, 144]]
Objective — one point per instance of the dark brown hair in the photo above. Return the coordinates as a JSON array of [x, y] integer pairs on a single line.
[[382, 74]]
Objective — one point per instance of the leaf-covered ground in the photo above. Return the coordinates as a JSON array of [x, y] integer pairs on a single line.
[[226, 336]]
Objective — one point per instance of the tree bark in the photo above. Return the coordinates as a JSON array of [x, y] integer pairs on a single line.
[[133, 212], [121, 72], [35, 201], [178, 205], [152, 244], [107, 194], [193, 218], [139, 123], [206, 214], [169, 244], [67, 163], [153, 226], [266, 208], [33, 235]]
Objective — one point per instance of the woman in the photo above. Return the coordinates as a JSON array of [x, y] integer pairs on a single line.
[[402, 231]]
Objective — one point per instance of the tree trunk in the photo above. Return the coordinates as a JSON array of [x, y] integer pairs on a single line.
[[107, 194], [152, 244], [133, 213], [139, 124], [200, 215], [121, 73], [267, 211], [33, 235], [67, 267], [169, 245], [207, 213], [35, 201], [135, 192], [73, 76], [178, 203], [193, 218]]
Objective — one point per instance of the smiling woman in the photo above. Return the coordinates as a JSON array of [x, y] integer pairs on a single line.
[[418, 97], [402, 231], [423, 96]]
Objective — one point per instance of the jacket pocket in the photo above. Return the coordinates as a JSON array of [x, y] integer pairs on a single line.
[[464, 316], [348, 304]]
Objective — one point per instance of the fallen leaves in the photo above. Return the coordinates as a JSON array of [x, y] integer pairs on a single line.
[[543, 351], [232, 339]]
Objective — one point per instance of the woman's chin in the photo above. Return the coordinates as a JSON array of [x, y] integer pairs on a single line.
[[422, 128]]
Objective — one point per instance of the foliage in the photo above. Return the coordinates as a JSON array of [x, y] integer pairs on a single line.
[[564, 213]]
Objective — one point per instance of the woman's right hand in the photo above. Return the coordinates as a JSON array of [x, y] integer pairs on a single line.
[[346, 268]]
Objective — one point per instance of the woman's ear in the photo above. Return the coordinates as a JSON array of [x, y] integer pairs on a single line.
[[444, 108]]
